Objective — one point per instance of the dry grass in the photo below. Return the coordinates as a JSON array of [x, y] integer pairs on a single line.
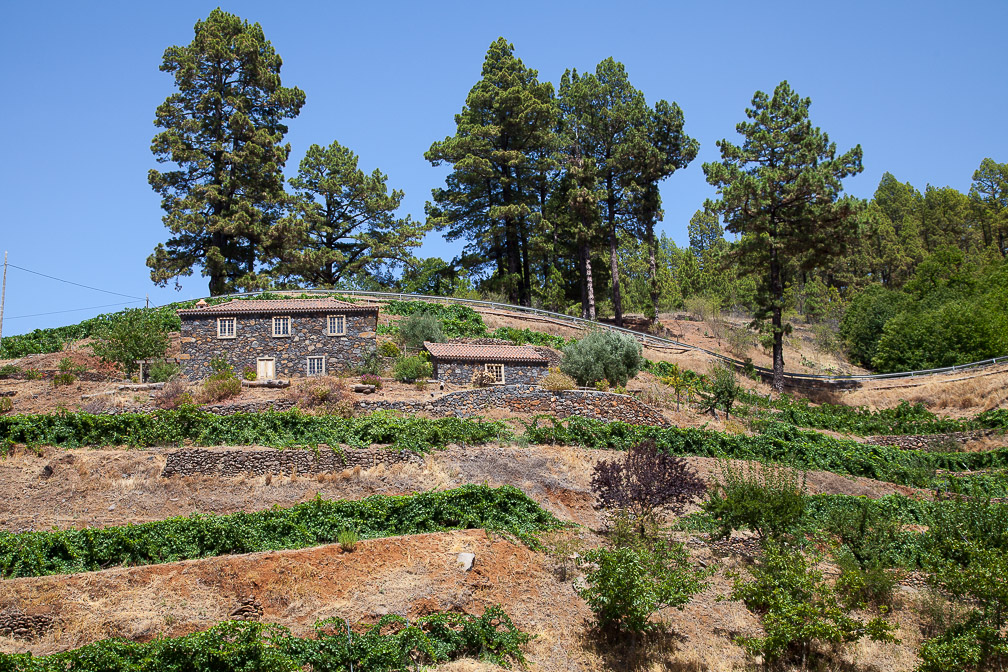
[[957, 394]]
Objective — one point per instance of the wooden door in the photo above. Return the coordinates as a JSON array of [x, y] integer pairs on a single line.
[[265, 368]]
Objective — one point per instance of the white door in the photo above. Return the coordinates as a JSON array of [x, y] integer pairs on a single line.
[[265, 368]]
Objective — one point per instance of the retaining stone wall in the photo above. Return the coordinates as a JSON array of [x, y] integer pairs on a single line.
[[188, 461], [17, 624], [530, 400], [461, 373], [254, 338], [929, 441]]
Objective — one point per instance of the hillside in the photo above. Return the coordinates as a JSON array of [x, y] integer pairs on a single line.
[[96, 473]]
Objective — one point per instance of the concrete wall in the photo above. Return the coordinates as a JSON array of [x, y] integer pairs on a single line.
[[461, 373], [254, 338]]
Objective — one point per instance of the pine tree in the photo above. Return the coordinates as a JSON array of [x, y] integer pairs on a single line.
[[500, 155], [223, 129], [780, 190]]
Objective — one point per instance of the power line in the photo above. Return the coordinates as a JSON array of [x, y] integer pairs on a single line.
[[74, 310], [71, 282]]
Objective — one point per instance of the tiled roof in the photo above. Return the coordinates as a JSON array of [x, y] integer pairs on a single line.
[[468, 352], [276, 307]]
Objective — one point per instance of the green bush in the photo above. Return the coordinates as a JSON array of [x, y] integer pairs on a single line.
[[798, 609], [864, 319], [136, 333], [419, 328], [388, 349], [603, 355], [393, 643], [6, 404], [410, 369], [457, 320], [222, 384], [162, 371], [724, 388], [312, 523], [767, 499], [64, 378], [625, 586], [347, 539], [10, 371]]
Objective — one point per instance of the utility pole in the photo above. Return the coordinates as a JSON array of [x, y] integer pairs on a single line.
[[3, 293]]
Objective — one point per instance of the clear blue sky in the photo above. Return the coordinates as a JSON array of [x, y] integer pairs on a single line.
[[920, 85]]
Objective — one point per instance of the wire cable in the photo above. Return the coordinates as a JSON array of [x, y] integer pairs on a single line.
[[71, 282], [74, 310]]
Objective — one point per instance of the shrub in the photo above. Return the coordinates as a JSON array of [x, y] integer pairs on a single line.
[[221, 385], [968, 556], [409, 369], [797, 609], [32, 374], [175, 393], [646, 481], [767, 499], [388, 349], [724, 388], [137, 333], [163, 371], [481, 378], [602, 385], [66, 365], [558, 381], [347, 540], [371, 379], [868, 537], [325, 394], [6, 404], [626, 585], [10, 371], [420, 327], [63, 378], [371, 364], [249, 373], [603, 354]]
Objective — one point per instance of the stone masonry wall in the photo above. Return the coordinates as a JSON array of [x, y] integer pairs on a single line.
[[930, 441], [254, 338], [528, 399], [461, 373], [224, 462]]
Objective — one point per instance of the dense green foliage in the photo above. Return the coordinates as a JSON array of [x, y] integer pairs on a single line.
[[766, 499], [420, 328], [137, 333], [393, 643], [627, 584], [603, 355], [410, 369], [777, 442], [270, 428], [906, 418], [457, 320], [954, 310], [798, 608], [312, 523]]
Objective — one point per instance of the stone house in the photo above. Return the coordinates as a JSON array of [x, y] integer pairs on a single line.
[[277, 337], [508, 364]]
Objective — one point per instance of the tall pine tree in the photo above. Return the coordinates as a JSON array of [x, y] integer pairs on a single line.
[[780, 190], [500, 154], [224, 130]]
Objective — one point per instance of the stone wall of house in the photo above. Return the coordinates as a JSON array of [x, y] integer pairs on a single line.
[[254, 338], [233, 462], [461, 373], [531, 400]]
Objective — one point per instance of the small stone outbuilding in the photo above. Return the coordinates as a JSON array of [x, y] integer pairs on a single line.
[[508, 364], [278, 338]]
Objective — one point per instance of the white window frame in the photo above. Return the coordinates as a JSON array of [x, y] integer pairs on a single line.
[[308, 365], [277, 322], [492, 369], [234, 327], [340, 322]]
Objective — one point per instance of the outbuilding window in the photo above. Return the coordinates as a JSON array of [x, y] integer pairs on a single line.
[[316, 366], [281, 326], [225, 327], [336, 325], [497, 371]]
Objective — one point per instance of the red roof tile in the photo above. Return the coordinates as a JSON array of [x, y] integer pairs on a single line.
[[277, 307], [468, 352]]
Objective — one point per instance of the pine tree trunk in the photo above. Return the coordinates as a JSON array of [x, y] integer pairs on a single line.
[[777, 293], [617, 302], [589, 284], [652, 269]]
